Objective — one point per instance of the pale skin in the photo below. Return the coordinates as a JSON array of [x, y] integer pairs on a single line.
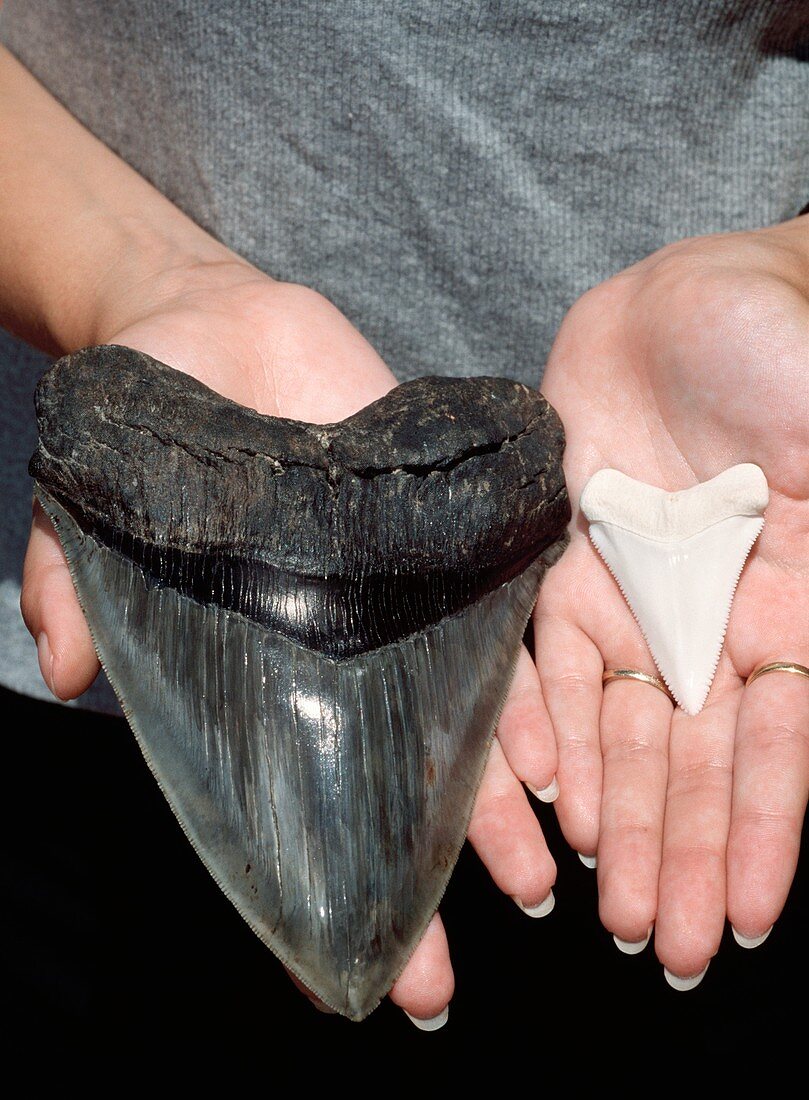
[[681, 366], [692, 819]]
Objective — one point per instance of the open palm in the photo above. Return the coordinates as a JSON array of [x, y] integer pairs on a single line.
[[688, 363]]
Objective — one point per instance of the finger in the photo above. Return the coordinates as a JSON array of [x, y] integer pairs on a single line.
[[692, 888], [525, 732], [770, 783], [570, 668], [67, 657], [427, 983], [507, 837], [635, 723]]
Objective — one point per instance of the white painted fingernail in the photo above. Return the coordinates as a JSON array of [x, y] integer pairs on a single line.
[[549, 793], [589, 861], [684, 984], [540, 910], [750, 941], [633, 947], [430, 1025]]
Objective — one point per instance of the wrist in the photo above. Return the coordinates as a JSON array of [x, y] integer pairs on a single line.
[[88, 245], [140, 266]]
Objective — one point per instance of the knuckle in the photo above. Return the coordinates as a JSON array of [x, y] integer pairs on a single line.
[[523, 701], [695, 851], [490, 816], [701, 776], [628, 832], [633, 747], [781, 734], [578, 748], [768, 822], [566, 683]]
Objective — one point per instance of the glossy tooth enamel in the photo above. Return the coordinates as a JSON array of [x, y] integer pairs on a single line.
[[677, 558], [311, 629]]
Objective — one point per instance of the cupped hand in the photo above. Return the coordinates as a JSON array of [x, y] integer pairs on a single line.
[[685, 364], [284, 350]]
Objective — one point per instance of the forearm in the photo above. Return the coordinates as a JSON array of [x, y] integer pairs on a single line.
[[86, 241]]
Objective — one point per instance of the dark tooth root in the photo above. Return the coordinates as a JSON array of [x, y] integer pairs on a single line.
[[311, 629], [466, 472], [338, 616]]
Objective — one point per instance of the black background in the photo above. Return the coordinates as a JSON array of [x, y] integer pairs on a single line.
[[116, 940]]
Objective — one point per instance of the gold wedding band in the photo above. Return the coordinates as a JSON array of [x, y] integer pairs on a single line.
[[777, 666], [611, 674]]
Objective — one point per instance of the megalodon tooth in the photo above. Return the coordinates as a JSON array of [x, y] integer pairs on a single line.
[[677, 558], [311, 629]]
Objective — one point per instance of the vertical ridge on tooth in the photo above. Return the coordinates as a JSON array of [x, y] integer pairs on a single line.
[[328, 799], [677, 559]]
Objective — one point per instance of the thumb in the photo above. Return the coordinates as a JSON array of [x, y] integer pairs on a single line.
[[67, 658]]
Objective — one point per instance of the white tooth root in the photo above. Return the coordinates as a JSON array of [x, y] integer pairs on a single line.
[[677, 558]]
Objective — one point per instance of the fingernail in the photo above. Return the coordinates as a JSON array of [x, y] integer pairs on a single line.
[[540, 910], [633, 947], [750, 941], [45, 660], [430, 1025], [588, 861], [684, 984], [549, 793]]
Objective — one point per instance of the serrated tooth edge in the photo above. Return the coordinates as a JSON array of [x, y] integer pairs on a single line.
[[726, 620]]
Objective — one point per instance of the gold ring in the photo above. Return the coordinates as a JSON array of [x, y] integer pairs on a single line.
[[777, 666], [611, 674]]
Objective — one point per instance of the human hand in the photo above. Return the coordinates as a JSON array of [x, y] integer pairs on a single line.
[[283, 350], [685, 364]]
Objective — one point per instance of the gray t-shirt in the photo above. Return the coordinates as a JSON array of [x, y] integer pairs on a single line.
[[453, 174]]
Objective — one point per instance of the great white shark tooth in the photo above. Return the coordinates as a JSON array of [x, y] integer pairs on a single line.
[[311, 629], [677, 558]]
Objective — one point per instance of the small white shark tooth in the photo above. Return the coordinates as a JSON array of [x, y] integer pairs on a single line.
[[677, 558]]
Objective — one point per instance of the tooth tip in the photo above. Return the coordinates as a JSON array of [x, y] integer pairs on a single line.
[[689, 704]]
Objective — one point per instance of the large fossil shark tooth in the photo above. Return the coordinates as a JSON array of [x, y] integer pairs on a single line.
[[311, 629], [677, 558]]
